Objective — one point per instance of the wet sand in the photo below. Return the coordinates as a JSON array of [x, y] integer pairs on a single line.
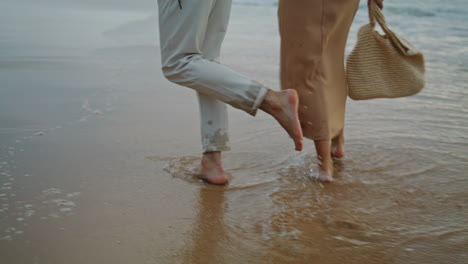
[[107, 178]]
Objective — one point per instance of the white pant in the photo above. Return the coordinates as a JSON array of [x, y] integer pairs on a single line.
[[191, 40]]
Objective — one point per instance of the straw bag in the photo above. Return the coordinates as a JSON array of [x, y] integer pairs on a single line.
[[383, 66]]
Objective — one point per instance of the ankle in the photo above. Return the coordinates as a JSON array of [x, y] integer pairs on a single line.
[[271, 102], [325, 162], [211, 159], [338, 140]]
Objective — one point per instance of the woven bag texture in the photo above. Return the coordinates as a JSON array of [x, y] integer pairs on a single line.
[[383, 66]]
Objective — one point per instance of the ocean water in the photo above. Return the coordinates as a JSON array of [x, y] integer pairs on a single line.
[[67, 67], [400, 195]]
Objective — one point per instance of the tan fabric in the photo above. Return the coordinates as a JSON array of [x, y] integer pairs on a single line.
[[313, 39]]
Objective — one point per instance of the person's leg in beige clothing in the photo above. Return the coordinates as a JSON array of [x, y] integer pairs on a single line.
[[313, 39]]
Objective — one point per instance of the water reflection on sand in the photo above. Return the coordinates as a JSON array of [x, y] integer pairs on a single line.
[[96, 165]]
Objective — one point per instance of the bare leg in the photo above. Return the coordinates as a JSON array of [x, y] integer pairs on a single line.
[[211, 169], [322, 147], [337, 149], [283, 107]]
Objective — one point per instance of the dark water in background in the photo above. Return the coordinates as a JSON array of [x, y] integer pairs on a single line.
[[400, 194]]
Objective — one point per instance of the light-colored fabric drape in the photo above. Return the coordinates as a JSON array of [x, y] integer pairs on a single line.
[[313, 39]]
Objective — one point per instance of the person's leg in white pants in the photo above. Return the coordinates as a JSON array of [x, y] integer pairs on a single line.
[[213, 113], [184, 36], [191, 39]]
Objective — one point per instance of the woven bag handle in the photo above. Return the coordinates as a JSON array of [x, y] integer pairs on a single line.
[[376, 15]]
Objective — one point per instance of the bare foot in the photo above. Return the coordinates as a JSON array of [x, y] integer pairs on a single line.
[[283, 106], [211, 169], [326, 171], [337, 146]]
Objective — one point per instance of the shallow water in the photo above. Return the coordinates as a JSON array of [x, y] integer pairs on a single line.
[[110, 179], [400, 193]]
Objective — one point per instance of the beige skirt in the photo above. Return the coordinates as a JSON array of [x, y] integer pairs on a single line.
[[313, 40]]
